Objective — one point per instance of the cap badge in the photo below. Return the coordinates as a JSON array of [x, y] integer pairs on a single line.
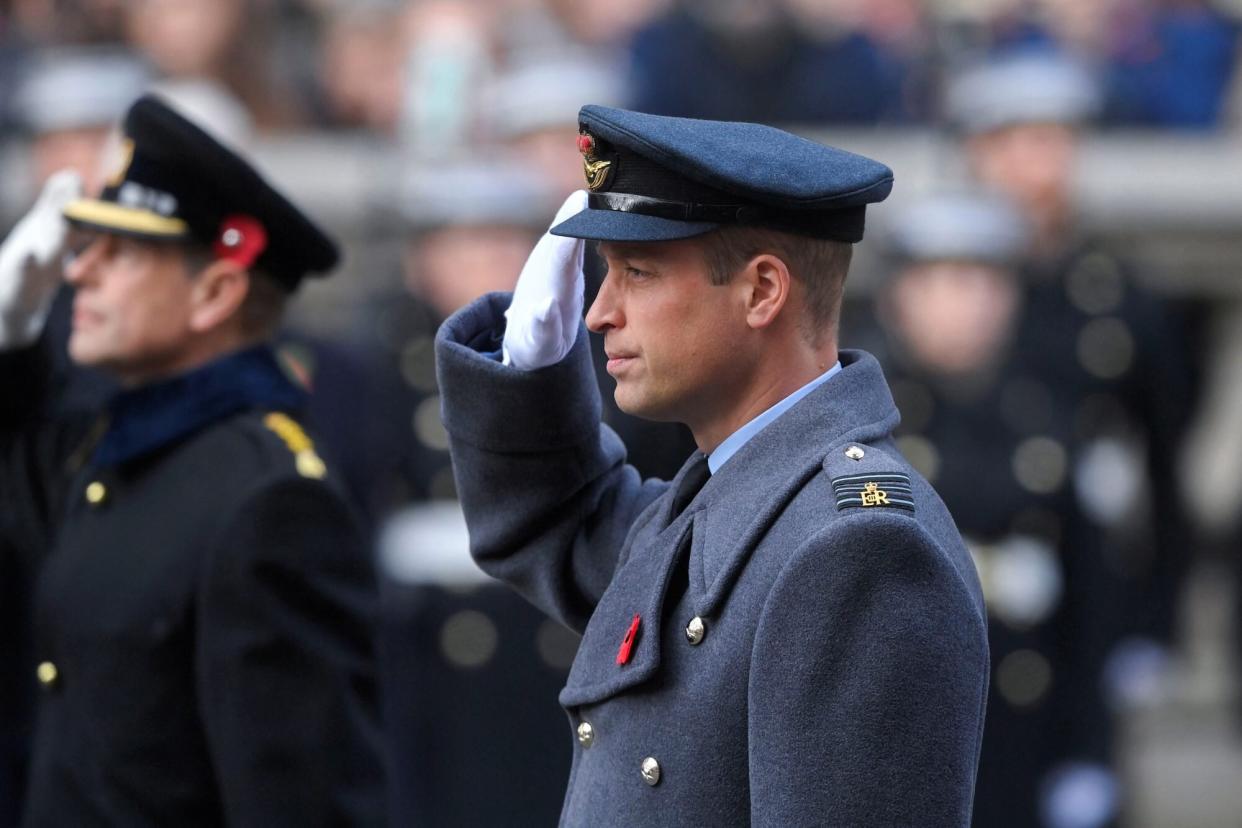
[[595, 169], [241, 240], [124, 157]]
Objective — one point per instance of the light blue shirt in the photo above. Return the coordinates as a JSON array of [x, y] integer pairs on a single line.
[[740, 437]]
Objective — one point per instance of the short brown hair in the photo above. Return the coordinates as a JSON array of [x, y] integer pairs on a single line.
[[819, 265], [263, 309]]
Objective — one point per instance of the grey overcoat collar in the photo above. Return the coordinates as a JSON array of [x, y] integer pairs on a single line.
[[725, 521]]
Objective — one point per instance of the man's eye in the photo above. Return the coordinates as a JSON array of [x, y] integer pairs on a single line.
[[635, 273], [76, 244]]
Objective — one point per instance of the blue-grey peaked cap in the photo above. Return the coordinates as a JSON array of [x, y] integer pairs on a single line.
[[658, 178]]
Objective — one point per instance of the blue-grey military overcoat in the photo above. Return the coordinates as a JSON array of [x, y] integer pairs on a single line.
[[825, 664]]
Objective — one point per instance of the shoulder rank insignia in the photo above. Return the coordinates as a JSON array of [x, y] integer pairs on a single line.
[[867, 491], [307, 461]]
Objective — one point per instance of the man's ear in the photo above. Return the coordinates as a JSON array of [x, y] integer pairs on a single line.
[[769, 283], [219, 291]]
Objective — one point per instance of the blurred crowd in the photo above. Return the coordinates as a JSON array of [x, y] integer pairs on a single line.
[[1044, 390], [440, 73]]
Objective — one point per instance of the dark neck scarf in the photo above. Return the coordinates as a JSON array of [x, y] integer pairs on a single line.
[[145, 419]]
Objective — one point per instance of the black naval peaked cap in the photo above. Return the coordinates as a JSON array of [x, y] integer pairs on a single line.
[[177, 183], [658, 178]]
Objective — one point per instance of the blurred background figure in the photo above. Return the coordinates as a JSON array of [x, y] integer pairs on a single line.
[[67, 101], [1115, 352], [534, 110], [218, 40], [1162, 63], [983, 420], [470, 671], [360, 66], [753, 60], [471, 675], [467, 229]]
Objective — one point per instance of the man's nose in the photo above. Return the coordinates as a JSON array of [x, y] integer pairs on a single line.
[[604, 312], [78, 265]]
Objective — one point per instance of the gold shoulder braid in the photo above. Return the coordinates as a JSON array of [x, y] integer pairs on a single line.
[[308, 463]]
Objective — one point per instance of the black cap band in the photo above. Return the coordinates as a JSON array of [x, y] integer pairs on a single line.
[[664, 208], [845, 224]]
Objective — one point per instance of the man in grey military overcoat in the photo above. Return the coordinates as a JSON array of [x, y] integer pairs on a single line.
[[791, 631]]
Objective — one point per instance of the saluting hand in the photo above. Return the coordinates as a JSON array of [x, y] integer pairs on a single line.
[[30, 262], [546, 310]]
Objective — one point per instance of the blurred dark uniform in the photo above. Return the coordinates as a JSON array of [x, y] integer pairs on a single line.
[[470, 672], [1117, 359], [203, 596], [1025, 452], [1125, 360], [1113, 350]]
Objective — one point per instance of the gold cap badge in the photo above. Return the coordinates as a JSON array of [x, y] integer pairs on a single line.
[[595, 169]]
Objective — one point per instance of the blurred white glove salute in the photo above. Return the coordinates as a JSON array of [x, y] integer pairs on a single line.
[[30, 262], [547, 302]]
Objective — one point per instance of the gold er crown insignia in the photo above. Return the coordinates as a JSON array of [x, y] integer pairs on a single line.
[[873, 495]]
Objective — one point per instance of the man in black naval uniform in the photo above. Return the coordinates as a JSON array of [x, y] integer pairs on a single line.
[[201, 591]]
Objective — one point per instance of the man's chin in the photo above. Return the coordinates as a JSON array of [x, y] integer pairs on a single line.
[[641, 407], [86, 353]]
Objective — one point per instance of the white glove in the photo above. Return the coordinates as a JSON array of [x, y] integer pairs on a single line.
[[30, 262], [546, 309]]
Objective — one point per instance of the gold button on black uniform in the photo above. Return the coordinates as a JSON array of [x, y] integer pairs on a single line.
[[96, 493], [48, 674], [695, 630]]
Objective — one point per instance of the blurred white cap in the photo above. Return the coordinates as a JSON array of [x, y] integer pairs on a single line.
[[77, 88], [491, 192], [1039, 86], [963, 226], [548, 93]]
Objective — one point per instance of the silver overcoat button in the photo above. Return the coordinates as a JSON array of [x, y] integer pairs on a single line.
[[651, 771], [695, 630], [586, 734], [855, 453]]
